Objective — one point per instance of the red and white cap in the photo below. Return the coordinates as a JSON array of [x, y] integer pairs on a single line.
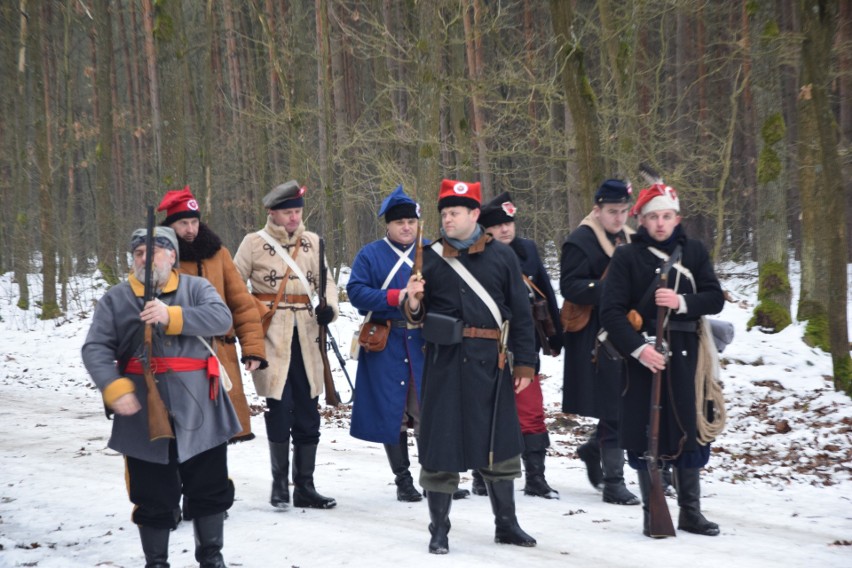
[[658, 197], [179, 204], [454, 193]]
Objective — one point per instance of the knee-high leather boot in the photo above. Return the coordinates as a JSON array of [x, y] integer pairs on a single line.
[[690, 519], [439, 517], [590, 453], [155, 546], [209, 539], [399, 463], [535, 451], [304, 493], [507, 531], [645, 490], [615, 491], [279, 458]]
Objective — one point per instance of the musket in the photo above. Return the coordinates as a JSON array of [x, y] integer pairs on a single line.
[[503, 356], [159, 425], [332, 398], [342, 362], [659, 519], [417, 269]]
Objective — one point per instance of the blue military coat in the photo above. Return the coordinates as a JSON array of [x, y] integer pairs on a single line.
[[383, 378]]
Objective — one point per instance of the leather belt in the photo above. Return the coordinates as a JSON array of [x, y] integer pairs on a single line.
[[481, 333], [285, 299]]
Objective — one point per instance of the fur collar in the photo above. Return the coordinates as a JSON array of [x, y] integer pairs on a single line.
[[206, 245]]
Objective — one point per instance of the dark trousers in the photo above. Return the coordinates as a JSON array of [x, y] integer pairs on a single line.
[[155, 489], [296, 414]]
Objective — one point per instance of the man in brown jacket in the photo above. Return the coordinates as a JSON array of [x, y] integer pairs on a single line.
[[202, 254]]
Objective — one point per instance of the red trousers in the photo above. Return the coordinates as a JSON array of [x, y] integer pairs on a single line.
[[530, 404]]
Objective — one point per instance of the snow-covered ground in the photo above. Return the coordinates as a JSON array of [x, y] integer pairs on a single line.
[[779, 482]]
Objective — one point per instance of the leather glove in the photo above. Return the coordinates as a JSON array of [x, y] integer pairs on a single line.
[[324, 315]]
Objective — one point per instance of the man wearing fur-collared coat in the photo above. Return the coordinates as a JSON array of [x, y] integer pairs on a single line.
[[202, 254], [293, 380]]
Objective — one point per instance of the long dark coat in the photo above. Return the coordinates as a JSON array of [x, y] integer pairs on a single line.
[[590, 384], [458, 392], [532, 266], [631, 272], [384, 377]]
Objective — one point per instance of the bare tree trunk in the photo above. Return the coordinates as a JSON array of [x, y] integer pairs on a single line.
[[581, 102], [105, 207], [153, 87], [827, 326], [473, 52], [43, 153], [171, 46], [844, 100], [772, 314], [21, 241]]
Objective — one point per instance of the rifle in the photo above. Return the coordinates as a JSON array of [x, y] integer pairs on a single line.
[[332, 398], [659, 519], [159, 425], [417, 269]]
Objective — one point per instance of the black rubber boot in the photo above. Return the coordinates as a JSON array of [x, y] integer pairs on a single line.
[[209, 539], [477, 486], [304, 493], [279, 457], [155, 546], [590, 453], [535, 451], [615, 491], [399, 463], [439, 517], [690, 519], [502, 495]]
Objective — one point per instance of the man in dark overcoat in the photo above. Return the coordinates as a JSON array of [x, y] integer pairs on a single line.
[[387, 390], [468, 415], [498, 220], [691, 291], [591, 381]]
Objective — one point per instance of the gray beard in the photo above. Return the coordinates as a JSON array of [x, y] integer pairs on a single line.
[[158, 278]]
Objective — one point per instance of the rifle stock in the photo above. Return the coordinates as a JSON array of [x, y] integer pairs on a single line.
[[331, 396], [159, 425], [659, 519]]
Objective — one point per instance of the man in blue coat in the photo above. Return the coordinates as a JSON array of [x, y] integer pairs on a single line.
[[387, 388]]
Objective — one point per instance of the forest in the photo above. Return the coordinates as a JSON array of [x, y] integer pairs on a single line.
[[744, 106]]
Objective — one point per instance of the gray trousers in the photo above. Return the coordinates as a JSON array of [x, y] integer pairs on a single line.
[[448, 481]]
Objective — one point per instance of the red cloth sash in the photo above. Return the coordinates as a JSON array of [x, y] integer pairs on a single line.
[[160, 365]]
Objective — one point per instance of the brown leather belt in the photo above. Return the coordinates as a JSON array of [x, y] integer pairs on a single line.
[[285, 299], [481, 333]]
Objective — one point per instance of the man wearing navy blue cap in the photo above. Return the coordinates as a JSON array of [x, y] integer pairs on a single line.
[[591, 382], [387, 391]]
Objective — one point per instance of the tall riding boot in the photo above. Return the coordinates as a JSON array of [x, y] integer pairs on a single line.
[[477, 486], [645, 490], [155, 546], [279, 457], [590, 453], [399, 463], [615, 491], [502, 495], [439, 517], [304, 493], [535, 450], [209, 539], [690, 519]]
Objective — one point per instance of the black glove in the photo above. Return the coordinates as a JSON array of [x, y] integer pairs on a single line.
[[324, 315], [555, 343]]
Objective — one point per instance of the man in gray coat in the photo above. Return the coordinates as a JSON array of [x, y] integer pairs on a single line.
[[194, 462]]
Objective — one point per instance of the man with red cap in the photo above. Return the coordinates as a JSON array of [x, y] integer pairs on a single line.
[[691, 290], [470, 285], [282, 262], [203, 254]]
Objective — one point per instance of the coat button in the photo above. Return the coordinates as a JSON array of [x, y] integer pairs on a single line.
[[406, 360], [402, 383], [464, 359]]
